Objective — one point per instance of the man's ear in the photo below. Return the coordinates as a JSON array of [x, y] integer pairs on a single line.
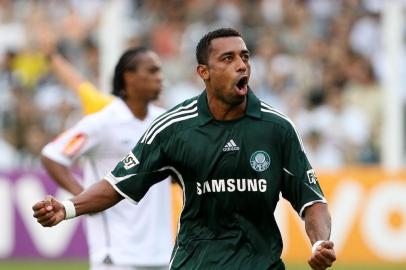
[[128, 78], [203, 72]]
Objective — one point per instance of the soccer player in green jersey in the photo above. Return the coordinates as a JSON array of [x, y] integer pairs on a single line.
[[233, 155]]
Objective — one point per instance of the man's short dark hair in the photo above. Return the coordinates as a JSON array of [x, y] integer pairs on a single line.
[[128, 61], [203, 47]]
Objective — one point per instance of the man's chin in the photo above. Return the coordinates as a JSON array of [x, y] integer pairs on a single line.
[[237, 100], [155, 96]]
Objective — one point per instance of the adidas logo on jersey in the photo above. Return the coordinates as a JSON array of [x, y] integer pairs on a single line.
[[230, 146]]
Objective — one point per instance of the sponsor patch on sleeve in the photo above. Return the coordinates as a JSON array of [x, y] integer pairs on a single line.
[[311, 176], [74, 145], [130, 161]]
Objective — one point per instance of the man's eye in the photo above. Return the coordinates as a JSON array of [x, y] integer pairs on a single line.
[[228, 58], [154, 70]]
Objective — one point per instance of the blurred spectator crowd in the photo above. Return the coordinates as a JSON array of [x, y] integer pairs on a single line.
[[317, 61]]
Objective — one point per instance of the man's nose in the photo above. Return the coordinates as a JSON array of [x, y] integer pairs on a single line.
[[241, 65], [159, 76]]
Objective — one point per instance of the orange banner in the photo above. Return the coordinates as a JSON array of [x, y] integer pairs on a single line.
[[368, 209]]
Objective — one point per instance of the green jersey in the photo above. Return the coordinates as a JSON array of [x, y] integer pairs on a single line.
[[231, 173]]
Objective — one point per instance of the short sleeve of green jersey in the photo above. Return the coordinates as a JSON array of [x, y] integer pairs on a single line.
[[139, 170], [300, 185]]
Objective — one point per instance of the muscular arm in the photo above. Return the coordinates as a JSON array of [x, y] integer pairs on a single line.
[[98, 197], [318, 227], [62, 175], [317, 222]]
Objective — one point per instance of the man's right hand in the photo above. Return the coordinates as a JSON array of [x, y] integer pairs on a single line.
[[49, 212]]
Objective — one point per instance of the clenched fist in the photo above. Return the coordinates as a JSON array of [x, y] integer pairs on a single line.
[[49, 212], [323, 256]]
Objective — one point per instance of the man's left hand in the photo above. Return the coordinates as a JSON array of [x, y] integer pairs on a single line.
[[323, 257]]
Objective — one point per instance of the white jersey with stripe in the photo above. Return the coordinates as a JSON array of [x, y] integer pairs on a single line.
[[128, 235]]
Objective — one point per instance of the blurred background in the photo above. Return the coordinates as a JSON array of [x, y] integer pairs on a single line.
[[337, 68]]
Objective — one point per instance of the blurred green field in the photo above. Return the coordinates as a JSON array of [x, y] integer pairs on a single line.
[[43, 265], [75, 265], [351, 267]]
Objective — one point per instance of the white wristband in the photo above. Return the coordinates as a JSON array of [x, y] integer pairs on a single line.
[[70, 211], [315, 245]]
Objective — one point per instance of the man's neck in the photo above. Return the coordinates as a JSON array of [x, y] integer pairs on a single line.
[[138, 107], [225, 112]]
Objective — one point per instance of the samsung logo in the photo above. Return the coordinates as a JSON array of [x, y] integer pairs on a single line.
[[231, 185]]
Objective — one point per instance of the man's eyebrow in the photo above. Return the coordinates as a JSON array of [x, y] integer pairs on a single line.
[[226, 54], [232, 53]]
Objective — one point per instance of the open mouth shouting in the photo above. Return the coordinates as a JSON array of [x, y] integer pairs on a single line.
[[242, 85]]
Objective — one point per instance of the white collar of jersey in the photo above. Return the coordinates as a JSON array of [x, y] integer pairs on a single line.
[[121, 110]]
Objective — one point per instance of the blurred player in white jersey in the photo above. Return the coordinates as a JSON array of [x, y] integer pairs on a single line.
[[124, 237]]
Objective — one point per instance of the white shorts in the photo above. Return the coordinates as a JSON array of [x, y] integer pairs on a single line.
[[103, 266]]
